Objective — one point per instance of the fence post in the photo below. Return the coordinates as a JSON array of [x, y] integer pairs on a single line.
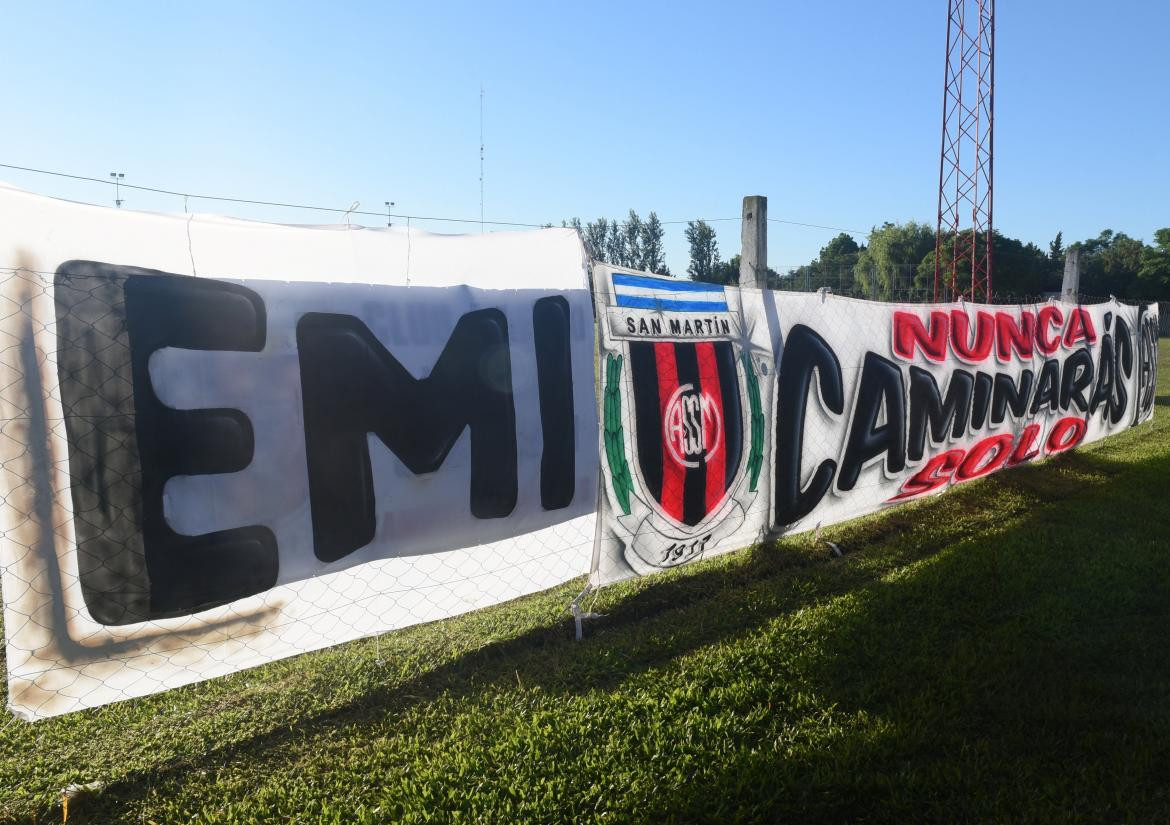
[[1072, 276], [753, 256]]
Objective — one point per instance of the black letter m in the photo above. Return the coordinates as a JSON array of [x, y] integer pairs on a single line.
[[352, 386]]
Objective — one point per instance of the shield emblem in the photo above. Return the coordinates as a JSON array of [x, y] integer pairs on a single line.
[[688, 423]]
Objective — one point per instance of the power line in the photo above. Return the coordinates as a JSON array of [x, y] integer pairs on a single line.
[[229, 199], [778, 220], [283, 205], [819, 226]]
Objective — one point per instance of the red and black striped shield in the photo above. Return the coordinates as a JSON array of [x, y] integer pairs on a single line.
[[688, 424]]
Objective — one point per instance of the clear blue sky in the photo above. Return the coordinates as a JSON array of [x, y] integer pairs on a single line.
[[832, 110]]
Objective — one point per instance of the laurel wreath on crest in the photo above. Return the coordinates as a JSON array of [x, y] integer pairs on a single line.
[[756, 454], [615, 444]]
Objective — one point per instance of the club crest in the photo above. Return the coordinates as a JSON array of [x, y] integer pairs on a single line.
[[688, 425], [683, 418]]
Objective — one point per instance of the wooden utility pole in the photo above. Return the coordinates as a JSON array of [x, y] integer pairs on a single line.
[[753, 256]]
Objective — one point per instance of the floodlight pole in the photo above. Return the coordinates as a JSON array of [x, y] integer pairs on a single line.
[[117, 177]]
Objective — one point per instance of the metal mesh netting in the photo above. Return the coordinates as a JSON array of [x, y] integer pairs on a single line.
[[831, 454], [81, 624]]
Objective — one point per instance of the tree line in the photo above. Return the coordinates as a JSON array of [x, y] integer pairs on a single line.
[[896, 260], [637, 244], [633, 243]]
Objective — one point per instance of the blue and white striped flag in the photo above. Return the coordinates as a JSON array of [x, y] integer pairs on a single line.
[[646, 292]]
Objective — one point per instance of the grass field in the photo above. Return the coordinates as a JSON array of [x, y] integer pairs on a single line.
[[997, 654]]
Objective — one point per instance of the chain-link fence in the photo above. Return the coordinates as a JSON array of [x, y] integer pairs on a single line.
[[106, 584], [880, 403], [907, 284], [129, 562], [903, 283]]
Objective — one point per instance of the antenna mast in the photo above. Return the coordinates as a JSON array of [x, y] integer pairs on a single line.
[[965, 190], [481, 158]]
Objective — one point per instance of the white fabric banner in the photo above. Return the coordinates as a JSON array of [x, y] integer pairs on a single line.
[[228, 442], [878, 404], [866, 405], [202, 474], [687, 377]]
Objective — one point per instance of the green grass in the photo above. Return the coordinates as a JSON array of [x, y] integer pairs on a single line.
[[998, 654]]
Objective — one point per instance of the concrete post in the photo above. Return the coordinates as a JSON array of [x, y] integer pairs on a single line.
[[753, 256], [1070, 289]]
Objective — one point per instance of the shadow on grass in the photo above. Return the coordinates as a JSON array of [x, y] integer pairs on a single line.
[[1022, 678], [987, 636]]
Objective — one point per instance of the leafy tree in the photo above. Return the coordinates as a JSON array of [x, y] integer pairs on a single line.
[[1110, 264], [653, 257], [632, 237], [1018, 270], [1121, 263], [1056, 247], [632, 243], [700, 236], [891, 256], [596, 236], [1097, 244], [833, 268], [615, 245], [898, 262], [1154, 272], [727, 273], [1023, 270], [841, 250]]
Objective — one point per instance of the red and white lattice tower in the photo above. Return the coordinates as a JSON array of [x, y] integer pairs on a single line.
[[965, 191]]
